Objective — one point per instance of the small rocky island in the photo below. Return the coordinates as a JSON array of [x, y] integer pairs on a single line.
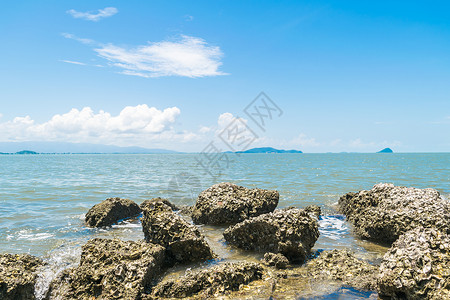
[[414, 223], [386, 150]]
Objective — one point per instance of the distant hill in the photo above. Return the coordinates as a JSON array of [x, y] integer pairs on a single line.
[[268, 150], [63, 147], [386, 150], [26, 152]]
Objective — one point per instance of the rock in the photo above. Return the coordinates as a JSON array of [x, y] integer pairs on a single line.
[[183, 241], [291, 232], [278, 260], [110, 211], [110, 269], [209, 282], [417, 266], [18, 276], [314, 210], [185, 210], [152, 201], [342, 265], [385, 212], [227, 203]]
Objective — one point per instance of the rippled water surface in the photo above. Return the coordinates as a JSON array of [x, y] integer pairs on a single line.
[[43, 198]]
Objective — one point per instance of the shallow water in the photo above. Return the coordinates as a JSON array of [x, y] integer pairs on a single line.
[[43, 198]]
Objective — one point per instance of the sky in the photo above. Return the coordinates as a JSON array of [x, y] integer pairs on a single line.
[[354, 76]]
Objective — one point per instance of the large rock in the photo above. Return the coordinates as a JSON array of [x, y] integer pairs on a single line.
[[386, 211], [227, 203], [110, 269], [291, 232], [149, 203], [183, 241], [110, 211], [417, 266], [343, 266], [209, 282], [18, 276]]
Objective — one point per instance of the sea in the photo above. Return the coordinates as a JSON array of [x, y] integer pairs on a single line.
[[44, 198]]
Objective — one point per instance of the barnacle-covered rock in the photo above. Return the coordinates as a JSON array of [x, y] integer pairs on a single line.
[[18, 276], [110, 269], [110, 211], [386, 211], [149, 203], [226, 203], [277, 260], [417, 266], [209, 282], [343, 266], [183, 241], [291, 232]]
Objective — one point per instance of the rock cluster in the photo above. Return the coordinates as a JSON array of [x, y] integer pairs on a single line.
[[342, 265], [417, 266], [18, 276], [291, 232], [386, 211], [149, 203], [227, 203], [110, 211], [278, 260], [183, 241], [110, 269], [210, 282]]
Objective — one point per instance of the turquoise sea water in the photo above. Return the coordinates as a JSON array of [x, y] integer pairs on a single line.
[[43, 198]]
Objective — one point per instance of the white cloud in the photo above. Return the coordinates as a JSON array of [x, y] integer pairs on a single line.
[[78, 39], [134, 125], [73, 62], [302, 140], [188, 56], [94, 16]]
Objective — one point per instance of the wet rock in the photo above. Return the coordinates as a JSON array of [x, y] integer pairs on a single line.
[[291, 232], [278, 260], [110, 269], [18, 276], [386, 211], [185, 210], [417, 266], [227, 203], [314, 210], [183, 241], [343, 266], [209, 282], [150, 203], [110, 211]]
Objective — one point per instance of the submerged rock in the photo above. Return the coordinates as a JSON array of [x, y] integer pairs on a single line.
[[18, 276], [209, 282], [278, 260], [343, 266], [149, 203], [291, 232], [227, 203], [417, 266], [110, 269], [110, 211], [386, 211], [183, 241]]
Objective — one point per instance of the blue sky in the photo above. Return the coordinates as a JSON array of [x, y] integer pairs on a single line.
[[348, 75]]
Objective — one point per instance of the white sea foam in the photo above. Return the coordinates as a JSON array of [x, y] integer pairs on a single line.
[[333, 227], [28, 235]]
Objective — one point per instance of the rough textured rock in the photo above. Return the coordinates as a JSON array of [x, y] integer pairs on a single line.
[[110, 211], [386, 211], [342, 265], [149, 203], [183, 241], [278, 260], [210, 282], [110, 269], [314, 210], [291, 232], [18, 276], [227, 203], [417, 266]]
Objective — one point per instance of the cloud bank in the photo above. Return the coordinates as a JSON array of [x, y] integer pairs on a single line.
[[94, 16]]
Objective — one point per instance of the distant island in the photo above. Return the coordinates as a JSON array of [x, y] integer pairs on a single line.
[[26, 152], [386, 150], [268, 150]]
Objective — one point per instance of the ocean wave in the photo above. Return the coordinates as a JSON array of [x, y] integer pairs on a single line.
[[333, 227], [30, 236]]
